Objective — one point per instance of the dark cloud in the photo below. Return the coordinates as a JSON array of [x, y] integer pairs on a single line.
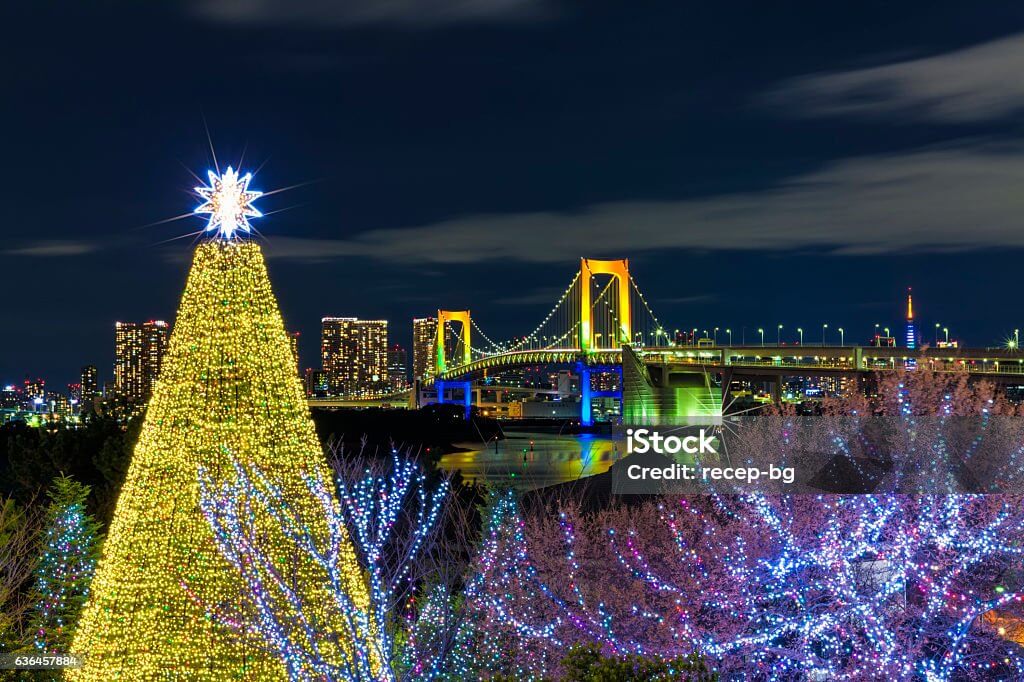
[[959, 198], [43, 249], [402, 13], [978, 83]]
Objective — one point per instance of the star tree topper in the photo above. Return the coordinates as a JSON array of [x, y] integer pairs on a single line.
[[229, 203]]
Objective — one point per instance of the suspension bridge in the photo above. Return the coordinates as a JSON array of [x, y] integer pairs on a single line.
[[602, 323], [601, 312]]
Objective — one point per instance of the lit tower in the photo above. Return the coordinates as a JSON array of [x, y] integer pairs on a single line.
[[227, 391], [911, 328]]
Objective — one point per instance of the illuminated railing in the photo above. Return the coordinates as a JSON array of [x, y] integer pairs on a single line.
[[356, 397], [795, 363], [835, 358], [975, 366]]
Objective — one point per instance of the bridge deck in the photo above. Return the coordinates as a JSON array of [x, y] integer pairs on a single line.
[[999, 364], [853, 359]]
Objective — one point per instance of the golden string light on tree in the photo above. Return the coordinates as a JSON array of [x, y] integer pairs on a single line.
[[227, 389]]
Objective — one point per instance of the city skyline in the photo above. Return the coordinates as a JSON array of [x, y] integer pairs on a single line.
[[407, 337], [465, 163]]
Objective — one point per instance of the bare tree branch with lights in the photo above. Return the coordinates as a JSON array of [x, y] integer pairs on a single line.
[[395, 518], [18, 557], [835, 587]]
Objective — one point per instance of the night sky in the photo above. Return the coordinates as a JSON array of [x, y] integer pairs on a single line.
[[759, 163]]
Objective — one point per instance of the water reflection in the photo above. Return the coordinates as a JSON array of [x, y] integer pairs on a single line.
[[534, 460]]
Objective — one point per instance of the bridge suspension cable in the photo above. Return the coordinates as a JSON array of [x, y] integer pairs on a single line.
[[649, 325], [563, 323], [562, 328], [558, 322]]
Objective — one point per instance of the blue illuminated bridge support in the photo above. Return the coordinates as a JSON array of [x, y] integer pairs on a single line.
[[587, 394], [467, 394]]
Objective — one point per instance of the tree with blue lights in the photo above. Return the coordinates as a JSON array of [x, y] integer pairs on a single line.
[[919, 586], [766, 587], [391, 513], [70, 548]]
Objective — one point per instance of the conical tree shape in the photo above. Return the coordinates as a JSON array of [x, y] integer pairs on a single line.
[[228, 387]]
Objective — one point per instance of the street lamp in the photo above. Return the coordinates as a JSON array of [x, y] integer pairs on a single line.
[[886, 332], [800, 331], [716, 336], [761, 332], [938, 326], [842, 337], [729, 332], [823, 328], [945, 330], [1016, 338], [778, 336]]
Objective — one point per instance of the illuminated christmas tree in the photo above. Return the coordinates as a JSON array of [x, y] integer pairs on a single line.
[[227, 391], [65, 568]]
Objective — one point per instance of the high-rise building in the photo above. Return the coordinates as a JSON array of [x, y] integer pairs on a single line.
[[58, 404], [398, 366], [316, 382], [35, 390], [138, 353], [293, 340], [354, 353], [424, 338], [10, 397], [90, 383]]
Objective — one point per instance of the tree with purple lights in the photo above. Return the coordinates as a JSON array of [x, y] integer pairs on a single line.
[[782, 586], [830, 587], [936, 432]]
